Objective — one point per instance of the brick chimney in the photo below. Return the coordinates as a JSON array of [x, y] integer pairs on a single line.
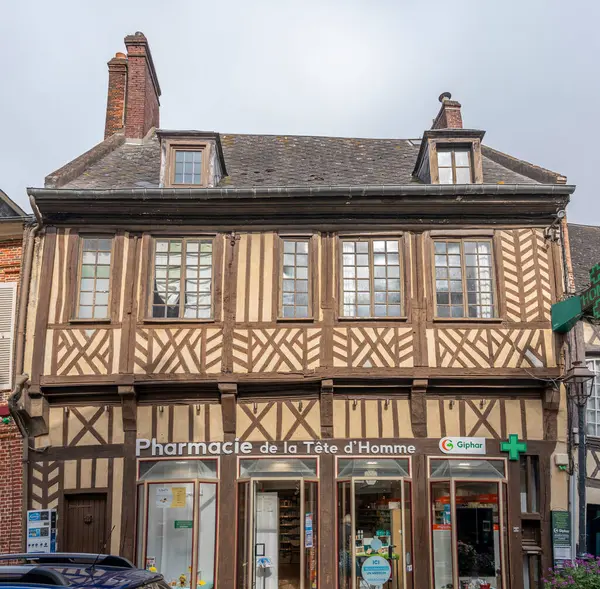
[[449, 116], [143, 91], [115, 103]]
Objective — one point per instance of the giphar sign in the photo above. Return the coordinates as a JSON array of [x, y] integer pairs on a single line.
[[462, 445]]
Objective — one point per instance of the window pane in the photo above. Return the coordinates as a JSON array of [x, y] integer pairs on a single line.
[[441, 520], [445, 175], [461, 158], [463, 176], [170, 533], [444, 159], [94, 280], [295, 279], [188, 167]]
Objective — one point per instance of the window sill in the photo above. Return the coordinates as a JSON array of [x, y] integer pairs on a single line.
[[467, 320], [78, 321], [295, 319], [531, 516], [175, 320], [372, 319]]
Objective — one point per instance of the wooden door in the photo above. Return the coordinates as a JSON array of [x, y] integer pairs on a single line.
[[85, 522]]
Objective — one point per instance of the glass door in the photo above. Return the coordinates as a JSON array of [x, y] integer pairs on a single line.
[[468, 533], [374, 533], [277, 534]]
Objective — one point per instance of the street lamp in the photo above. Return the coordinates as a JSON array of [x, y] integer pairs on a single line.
[[579, 381]]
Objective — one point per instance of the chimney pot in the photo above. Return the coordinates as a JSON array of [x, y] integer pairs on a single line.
[[449, 116], [119, 55]]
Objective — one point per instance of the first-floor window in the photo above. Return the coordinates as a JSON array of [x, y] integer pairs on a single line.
[[295, 280], [464, 281], [183, 278], [177, 520], [593, 404], [94, 277], [371, 278]]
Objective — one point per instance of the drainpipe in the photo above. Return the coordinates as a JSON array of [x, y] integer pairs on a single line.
[[21, 378], [572, 354]]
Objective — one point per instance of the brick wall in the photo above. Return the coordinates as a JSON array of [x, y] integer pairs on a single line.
[[11, 488], [10, 260], [11, 449]]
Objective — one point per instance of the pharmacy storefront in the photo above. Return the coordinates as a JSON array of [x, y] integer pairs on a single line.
[[348, 514]]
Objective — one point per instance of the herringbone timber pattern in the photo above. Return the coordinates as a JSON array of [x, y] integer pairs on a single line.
[[527, 279], [45, 484], [543, 258], [290, 349], [373, 347], [512, 297], [178, 351], [83, 352]]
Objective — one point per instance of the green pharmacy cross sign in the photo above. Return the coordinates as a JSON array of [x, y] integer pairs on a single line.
[[566, 313], [513, 447]]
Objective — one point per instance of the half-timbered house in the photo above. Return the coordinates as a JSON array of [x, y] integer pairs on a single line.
[[295, 361]]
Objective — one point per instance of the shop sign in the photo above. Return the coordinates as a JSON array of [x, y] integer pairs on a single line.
[[41, 531], [561, 537], [376, 570], [308, 531], [312, 447], [171, 497], [462, 445]]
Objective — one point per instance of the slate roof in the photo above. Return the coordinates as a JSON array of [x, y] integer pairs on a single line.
[[10, 209], [276, 160], [584, 241]]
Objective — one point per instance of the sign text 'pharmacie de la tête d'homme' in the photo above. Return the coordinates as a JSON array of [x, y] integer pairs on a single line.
[[449, 445]]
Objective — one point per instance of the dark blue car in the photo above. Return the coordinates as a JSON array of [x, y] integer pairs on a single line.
[[75, 571]]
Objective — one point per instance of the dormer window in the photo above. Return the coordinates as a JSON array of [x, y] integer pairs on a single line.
[[191, 159], [454, 165], [188, 167]]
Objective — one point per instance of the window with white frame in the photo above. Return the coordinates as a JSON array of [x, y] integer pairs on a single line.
[[593, 404], [182, 282]]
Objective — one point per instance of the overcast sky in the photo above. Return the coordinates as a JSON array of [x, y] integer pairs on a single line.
[[525, 71]]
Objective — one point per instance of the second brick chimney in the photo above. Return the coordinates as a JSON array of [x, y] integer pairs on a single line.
[[133, 91], [449, 116], [117, 90]]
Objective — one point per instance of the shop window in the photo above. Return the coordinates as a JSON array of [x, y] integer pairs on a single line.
[[383, 467], [284, 467], [464, 279], [295, 279], [441, 534], [94, 278], [177, 521], [371, 278], [593, 404], [182, 279], [530, 484], [466, 469]]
